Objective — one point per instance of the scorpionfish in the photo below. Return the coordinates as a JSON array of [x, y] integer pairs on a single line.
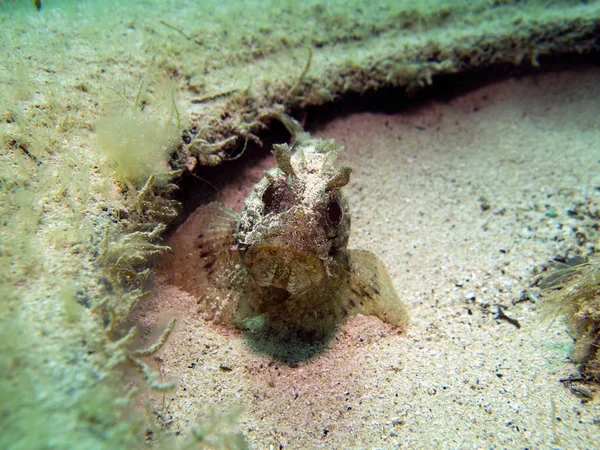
[[284, 258]]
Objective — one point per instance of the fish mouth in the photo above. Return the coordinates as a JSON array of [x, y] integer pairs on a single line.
[[275, 263]]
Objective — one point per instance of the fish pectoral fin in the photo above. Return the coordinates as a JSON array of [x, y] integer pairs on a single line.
[[370, 290], [205, 263], [220, 275]]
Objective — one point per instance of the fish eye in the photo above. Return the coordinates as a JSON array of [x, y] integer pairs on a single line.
[[334, 212], [268, 196]]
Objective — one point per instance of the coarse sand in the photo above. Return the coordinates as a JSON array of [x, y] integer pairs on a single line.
[[461, 199]]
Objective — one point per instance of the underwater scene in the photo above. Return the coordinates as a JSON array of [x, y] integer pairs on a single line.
[[247, 224]]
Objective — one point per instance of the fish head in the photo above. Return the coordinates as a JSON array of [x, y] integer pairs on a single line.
[[296, 221]]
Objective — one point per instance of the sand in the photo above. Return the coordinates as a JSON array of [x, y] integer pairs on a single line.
[[462, 200]]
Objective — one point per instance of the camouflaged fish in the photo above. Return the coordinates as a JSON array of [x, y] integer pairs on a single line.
[[284, 257]]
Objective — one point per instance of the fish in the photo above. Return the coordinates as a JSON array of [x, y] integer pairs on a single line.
[[284, 257]]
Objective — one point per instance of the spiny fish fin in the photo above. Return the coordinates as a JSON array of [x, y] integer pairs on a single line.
[[221, 276], [370, 290], [205, 262], [215, 242]]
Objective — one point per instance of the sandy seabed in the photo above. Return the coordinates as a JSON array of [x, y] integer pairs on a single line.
[[461, 199]]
